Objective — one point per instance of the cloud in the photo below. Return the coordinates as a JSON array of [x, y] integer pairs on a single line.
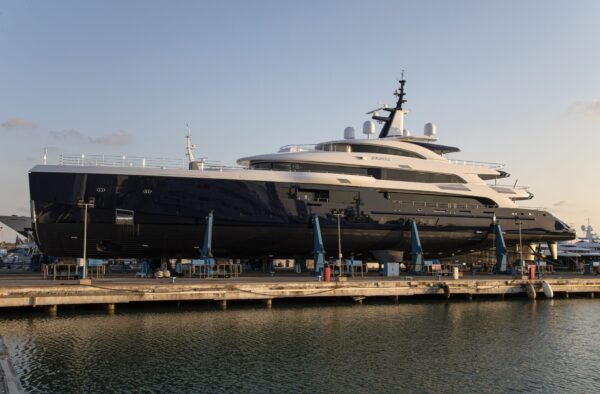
[[116, 139], [119, 138], [587, 109], [18, 124], [68, 134]]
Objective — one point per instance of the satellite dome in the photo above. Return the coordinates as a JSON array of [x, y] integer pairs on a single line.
[[368, 127], [430, 130], [349, 133]]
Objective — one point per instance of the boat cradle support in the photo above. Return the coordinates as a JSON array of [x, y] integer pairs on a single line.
[[416, 248], [318, 249], [501, 251], [206, 256]]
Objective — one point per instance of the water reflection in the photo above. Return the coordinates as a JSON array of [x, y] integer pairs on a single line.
[[483, 346]]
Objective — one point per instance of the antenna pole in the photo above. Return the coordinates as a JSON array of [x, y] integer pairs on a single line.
[[400, 92], [190, 147]]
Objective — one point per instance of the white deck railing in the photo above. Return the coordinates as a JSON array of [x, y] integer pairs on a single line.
[[494, 166], [137, 162]]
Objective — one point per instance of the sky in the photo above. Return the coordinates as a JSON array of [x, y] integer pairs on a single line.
[[515, 82]]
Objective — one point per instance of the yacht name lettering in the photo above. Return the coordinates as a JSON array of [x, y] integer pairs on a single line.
[[380, 158]]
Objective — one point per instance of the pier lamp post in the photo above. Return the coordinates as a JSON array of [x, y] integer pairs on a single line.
[[520, 223], [338, 215], [85, 205]]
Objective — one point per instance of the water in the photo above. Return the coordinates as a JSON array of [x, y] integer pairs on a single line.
[[480, 346]]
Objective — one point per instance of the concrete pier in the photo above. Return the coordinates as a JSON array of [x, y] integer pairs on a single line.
[[112, 291]]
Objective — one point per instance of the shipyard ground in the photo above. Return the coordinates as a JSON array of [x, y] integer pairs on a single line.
[[30, 291]]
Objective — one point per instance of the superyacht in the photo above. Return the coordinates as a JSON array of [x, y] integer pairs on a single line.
[[374, 186]]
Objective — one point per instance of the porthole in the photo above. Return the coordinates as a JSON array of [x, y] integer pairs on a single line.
[[147, 191], [100, 189]]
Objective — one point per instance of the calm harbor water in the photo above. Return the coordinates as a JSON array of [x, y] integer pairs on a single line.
[[429, 346]]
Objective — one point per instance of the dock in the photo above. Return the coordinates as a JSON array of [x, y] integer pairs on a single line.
[[30, 291]]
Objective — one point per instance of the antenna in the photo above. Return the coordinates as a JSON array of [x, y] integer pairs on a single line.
[[394, 123], [190, 147], [400, 92]]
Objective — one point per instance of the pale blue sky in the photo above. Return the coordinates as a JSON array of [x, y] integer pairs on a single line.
[[507, 81]]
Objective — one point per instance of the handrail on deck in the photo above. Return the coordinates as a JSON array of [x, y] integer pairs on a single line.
[[494, 166], [124, 161]]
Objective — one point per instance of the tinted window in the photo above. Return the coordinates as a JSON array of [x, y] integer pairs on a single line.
[[313, 195], [308, 167], [438, 201], [378, 173], [384, 150], [414, 176]]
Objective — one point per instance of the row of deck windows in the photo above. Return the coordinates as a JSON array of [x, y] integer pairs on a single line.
[[384, 150], [378, 173]]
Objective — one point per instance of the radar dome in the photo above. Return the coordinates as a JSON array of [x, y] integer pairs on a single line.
[[430, 130], [349, 133], [368, 127]]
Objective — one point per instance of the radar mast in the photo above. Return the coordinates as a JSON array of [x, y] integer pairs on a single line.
[[190, 146], [393, 125]]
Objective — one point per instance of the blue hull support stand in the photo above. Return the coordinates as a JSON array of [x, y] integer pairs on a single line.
[[319, 249], [206, 251], [501, 265], [415, 247]]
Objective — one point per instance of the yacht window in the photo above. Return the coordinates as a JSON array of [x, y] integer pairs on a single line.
[[334, 147], [414, 176], [359, 148], [444, 202], [282, 166], [378, 173], [313, 195], [308, 167], [385, 150], [123, 216]]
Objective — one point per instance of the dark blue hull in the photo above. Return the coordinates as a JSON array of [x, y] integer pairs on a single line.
[[156, 216]]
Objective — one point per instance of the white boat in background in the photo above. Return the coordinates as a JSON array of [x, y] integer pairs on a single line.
[[585, 250]]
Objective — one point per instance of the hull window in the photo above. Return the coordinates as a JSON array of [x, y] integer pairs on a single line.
[[123, 216], [313, 195]]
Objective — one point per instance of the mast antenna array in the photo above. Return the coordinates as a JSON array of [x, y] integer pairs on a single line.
[[190, 147], [400, 92]]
